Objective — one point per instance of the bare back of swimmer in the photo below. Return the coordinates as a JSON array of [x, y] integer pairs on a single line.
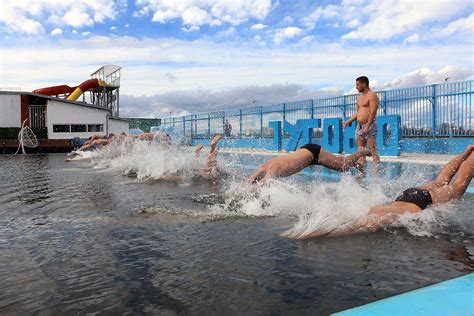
[[413, 200], [309, 154]]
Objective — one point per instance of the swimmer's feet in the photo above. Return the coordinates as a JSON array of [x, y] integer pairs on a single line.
[[215, 140], [199, 148], [364, 151], [71, 155]]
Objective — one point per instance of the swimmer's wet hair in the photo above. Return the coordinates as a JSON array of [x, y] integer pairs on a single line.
[[363, 79]]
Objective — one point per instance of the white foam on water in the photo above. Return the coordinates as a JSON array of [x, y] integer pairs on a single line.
[[148, 160], [309, 206]]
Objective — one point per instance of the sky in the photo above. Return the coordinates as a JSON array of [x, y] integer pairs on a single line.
[[189, 56]]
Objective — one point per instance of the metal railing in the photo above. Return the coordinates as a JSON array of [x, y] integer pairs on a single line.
[[438, 110], [37, 116]]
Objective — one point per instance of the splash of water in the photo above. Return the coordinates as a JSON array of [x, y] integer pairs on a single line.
[[309, 206], [147, 160]]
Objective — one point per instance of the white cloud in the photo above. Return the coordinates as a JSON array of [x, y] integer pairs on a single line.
[[391, 18], [288, 19], [13, 18], [170, 77], [306, 40], [190, 29], [113, 28], [77, 17], [195, 16], [201, 64], [353, 23], [228, 32], [325, 12], [204, 12], [126, 25], [258, 26], [74, 32], [386, 19], [425, 75], [461, 26], [27, 16], [204, 100], [85, 33], [414, 38], [288, 32], [57, 32]]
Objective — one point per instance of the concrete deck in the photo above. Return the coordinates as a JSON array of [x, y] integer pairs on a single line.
[[429, 159]]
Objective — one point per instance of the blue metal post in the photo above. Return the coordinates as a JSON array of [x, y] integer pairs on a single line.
[[384, 103], [312, 109], [223, 121], [195, 125], [240, 123], [184, 125], [261, 122], [433, 110], [344, 108], [209, 125]]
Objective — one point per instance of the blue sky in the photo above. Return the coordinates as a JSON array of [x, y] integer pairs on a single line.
[[195, 55]]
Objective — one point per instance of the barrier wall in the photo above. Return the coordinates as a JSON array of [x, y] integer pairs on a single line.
[[433, 119]]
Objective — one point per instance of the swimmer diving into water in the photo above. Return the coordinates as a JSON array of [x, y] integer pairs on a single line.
[[309, 154], [412, 200], [211, 170]]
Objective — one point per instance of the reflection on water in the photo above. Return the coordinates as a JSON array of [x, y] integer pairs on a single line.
[[71, 241]]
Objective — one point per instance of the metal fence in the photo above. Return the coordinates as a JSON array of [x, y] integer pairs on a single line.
[[439, 110]]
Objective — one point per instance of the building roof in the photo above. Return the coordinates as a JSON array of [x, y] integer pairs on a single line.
[[47, 97]]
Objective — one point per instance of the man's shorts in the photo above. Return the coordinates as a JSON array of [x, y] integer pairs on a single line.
[[372, 132]]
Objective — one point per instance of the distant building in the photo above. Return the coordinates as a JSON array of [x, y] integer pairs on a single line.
[[58, 118]]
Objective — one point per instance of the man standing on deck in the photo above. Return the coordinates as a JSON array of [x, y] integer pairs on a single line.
[[366, 131]]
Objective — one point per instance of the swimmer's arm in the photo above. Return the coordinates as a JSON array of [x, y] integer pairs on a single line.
[[367, 224]]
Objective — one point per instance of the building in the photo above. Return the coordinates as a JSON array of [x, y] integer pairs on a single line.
[[55, 115]]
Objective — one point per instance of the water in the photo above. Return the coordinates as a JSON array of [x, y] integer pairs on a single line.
[[110, 237]]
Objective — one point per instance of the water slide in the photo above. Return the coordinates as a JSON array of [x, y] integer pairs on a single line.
[[73, 92]]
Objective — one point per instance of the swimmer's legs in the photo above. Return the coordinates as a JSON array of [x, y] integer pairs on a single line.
[[449, 170], [339, 162], [198, 149], [214, 142], [456, 189], [211, 169]]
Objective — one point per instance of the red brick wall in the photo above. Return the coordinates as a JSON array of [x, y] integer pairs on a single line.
[[24, 108]]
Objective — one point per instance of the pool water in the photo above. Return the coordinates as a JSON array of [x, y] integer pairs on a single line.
[[110, 237]]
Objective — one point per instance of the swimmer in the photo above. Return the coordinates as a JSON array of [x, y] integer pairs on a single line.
[[146, 136], [413, 200], [309, 154], [94, 137], [98, 143], [211, 170]]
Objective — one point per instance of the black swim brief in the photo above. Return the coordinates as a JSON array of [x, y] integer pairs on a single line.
[[416, 196], [315, 150]]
